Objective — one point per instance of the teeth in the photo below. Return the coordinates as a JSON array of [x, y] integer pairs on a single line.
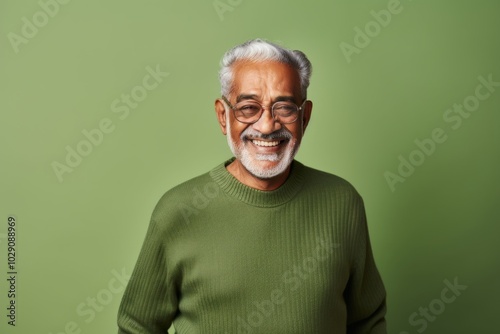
[[265, 143]]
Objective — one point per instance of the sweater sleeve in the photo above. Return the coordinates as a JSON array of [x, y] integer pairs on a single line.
[[365, 293], [149, 302]]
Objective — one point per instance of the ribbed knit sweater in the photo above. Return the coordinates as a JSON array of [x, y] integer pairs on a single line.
[[221, 257]]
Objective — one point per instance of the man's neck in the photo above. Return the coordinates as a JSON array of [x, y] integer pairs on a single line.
[[244, 176]]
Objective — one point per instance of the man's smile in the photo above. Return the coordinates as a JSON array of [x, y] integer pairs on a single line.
[[266, 145]]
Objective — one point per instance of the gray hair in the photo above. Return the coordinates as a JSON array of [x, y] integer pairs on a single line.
[[260, 50]]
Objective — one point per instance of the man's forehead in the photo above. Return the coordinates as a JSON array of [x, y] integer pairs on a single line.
[[258, 97], [250, 78]]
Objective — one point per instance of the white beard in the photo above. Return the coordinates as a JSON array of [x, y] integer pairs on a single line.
[[250, 162]]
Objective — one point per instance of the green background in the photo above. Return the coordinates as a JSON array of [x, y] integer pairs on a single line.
[[440, 224]]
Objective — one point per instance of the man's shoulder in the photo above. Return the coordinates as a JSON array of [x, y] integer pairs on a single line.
[[322, 181], [188, 189]]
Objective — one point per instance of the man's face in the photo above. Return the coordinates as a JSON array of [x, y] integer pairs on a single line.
[[265, 148]]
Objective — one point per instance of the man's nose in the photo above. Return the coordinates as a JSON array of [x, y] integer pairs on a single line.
[[266, 123]]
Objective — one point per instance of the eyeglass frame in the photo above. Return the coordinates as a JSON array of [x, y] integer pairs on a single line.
[[299, 109]]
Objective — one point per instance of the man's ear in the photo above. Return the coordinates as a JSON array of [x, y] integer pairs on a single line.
[[220, 111], [307, 115]]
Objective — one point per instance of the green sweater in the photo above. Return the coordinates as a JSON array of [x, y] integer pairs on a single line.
[[221, 257]]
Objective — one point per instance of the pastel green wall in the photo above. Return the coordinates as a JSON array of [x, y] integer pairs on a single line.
[[74, 236]]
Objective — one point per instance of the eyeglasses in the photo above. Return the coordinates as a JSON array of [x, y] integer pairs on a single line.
[[249, 112]]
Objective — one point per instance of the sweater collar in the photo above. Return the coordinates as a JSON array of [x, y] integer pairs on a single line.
[[234, 188]]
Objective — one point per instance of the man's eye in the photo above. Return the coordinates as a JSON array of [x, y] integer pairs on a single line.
[[249, 108], [285, 108]]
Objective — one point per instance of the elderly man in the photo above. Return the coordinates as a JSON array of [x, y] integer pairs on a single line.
[[261, 243]]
